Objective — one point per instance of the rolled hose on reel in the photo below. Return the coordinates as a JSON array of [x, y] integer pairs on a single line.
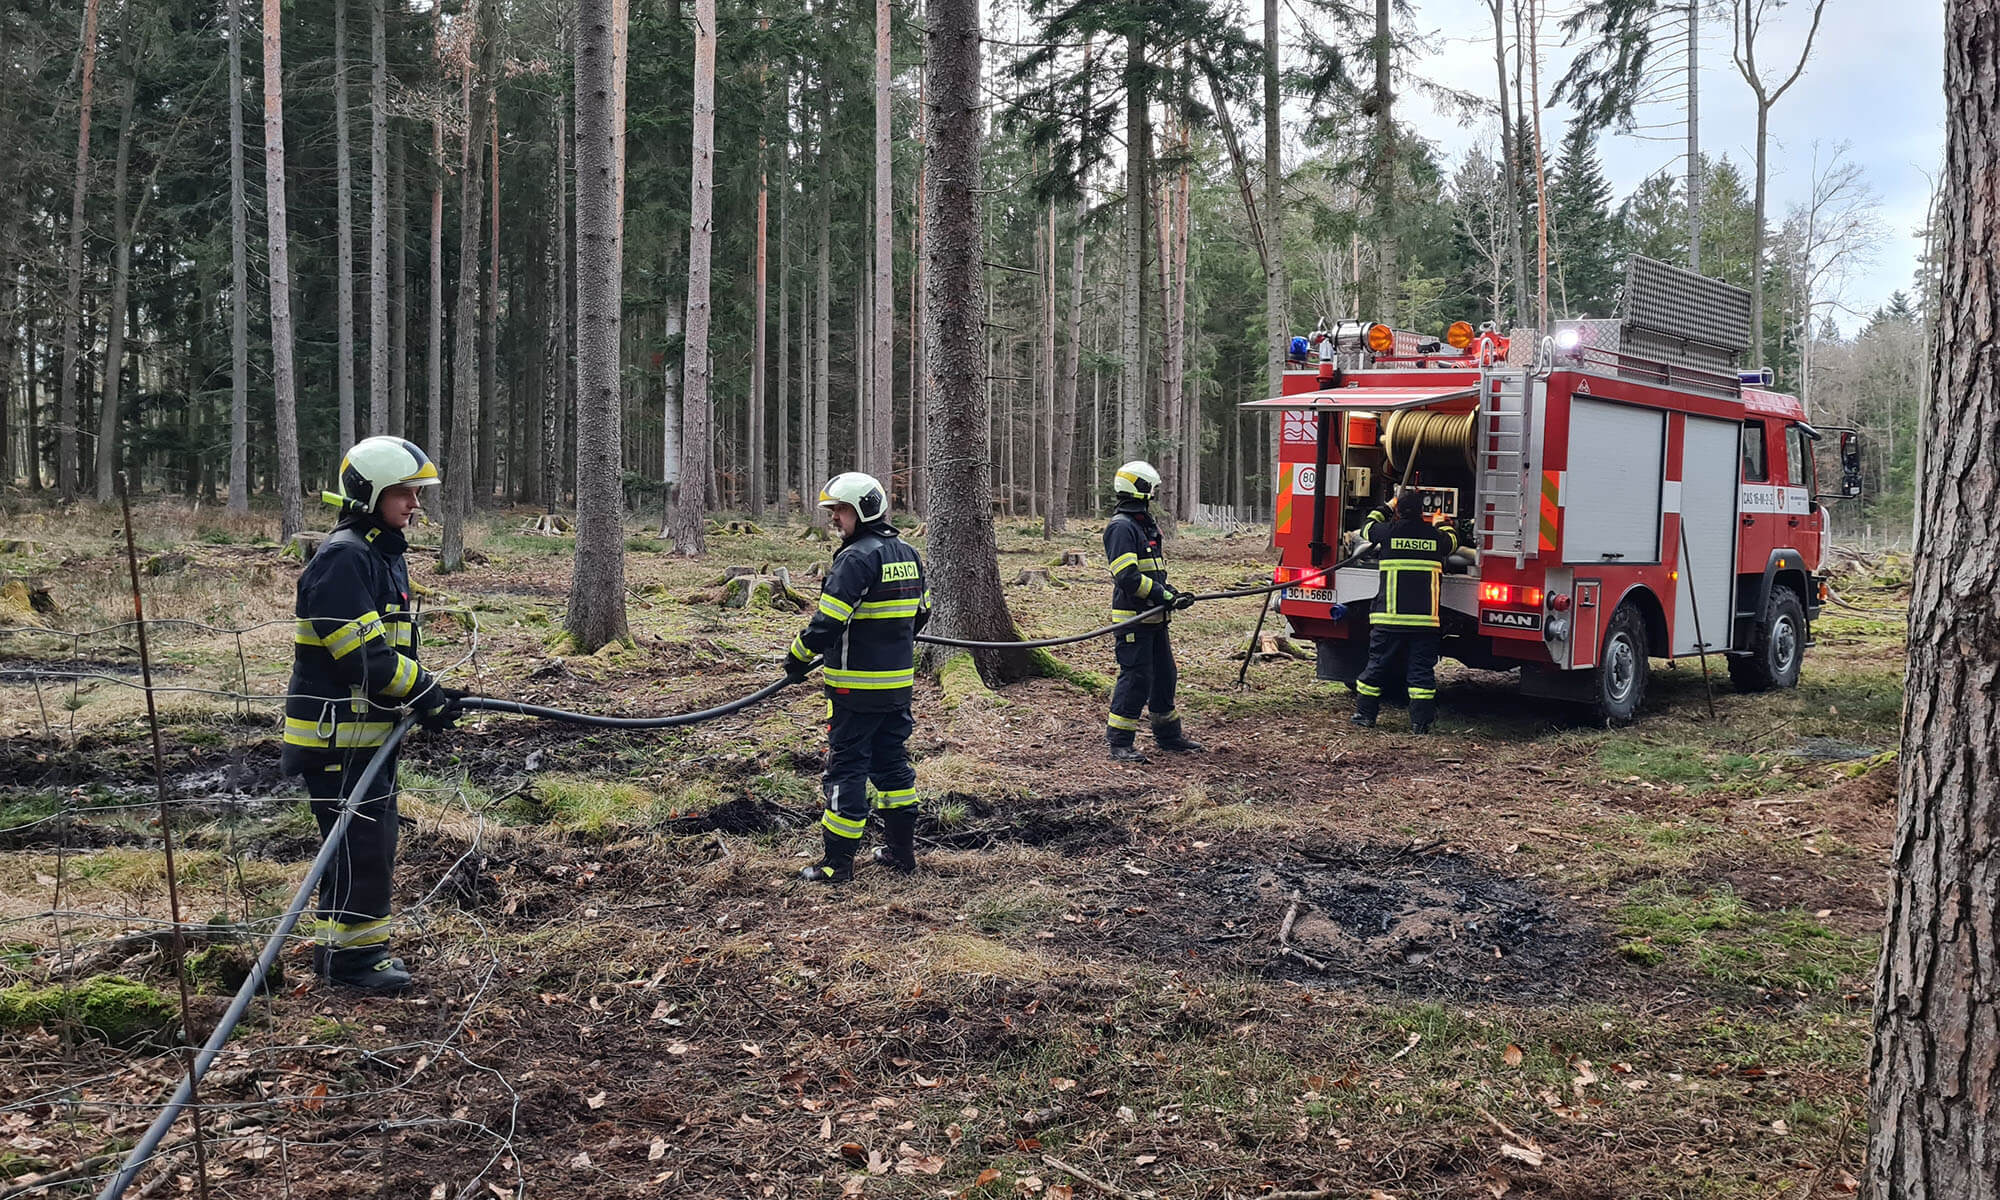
[[1430, 441]]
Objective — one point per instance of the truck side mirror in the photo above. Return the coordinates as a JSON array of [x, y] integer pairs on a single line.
[[1850, 464]]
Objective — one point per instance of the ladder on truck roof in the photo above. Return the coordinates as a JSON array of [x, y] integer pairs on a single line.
[[1505, 468]]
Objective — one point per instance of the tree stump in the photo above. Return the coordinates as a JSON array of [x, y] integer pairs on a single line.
[[1270, 645], [1034, 577], [26, 602], [814, 533], [19, 546], [303, 546], [816, 571], [1072, 558], [549, 525], [165, 564], [729, 573], [762, 591]]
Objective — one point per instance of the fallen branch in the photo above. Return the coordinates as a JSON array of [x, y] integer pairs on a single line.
[[1058, 1164], [1291, 915]]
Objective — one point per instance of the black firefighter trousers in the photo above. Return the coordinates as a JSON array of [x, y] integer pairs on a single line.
[[353, 910], [864, 748], [1415, 649], [1147, 678]]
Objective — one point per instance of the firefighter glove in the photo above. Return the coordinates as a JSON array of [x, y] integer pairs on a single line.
[[796, 668], [1183, 599], [1166, 597], [445, 713]]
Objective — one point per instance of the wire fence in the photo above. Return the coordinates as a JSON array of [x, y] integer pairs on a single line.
[[94, 1051]]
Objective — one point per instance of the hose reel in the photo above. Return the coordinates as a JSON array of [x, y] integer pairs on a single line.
[[1430, 440]]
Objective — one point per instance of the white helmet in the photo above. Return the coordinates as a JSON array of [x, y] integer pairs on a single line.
[[377, 464], [1137, 479], [863, 492]]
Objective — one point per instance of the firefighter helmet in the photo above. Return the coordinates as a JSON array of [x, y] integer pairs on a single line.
[[864, 493], [377, 464], [1137, 479]]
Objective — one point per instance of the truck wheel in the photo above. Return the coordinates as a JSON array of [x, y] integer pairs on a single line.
[[1623, 668], [1777, 646]]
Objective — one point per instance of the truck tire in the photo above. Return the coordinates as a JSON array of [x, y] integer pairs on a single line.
[[1777, 646], [1624, 666]]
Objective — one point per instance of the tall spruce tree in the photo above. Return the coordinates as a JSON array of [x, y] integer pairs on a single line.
[[1584, 230]]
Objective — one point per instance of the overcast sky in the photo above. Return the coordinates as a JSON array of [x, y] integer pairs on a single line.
[[1874, 81]]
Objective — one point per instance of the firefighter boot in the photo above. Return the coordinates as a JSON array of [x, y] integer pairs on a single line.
[[1365, 708], [898, 850], [1168, 735], [836, 864], [320, 959], [371, 968], [1422, 712], [1122, 749]]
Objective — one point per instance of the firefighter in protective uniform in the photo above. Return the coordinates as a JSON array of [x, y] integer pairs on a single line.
[[871, 608], [354, 667], [1146, 672], [1404, 623]]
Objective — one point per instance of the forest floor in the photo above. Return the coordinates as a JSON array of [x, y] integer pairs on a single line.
[[1520, 957]]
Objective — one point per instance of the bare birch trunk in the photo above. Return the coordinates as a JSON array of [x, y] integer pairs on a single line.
[[239, 279], [597, 586], [378, 220], [1510, 174], [689, 527], [1541, 173], [344, 230], [284, 387], [71, 318], [964, 557]]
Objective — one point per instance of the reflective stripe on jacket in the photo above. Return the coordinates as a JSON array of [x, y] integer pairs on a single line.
[[871, 608], [1138, 565], [354, 652], [1413, 552]]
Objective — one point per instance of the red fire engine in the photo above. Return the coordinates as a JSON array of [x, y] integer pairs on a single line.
[[1621, 490]]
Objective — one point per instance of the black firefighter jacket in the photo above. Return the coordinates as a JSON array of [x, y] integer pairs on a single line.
[[872, 607]]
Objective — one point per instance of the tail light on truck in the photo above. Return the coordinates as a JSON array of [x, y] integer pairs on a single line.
[[1508, 595]]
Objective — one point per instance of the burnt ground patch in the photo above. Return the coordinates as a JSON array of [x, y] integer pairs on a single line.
[[1362, 915], [1076, 823]]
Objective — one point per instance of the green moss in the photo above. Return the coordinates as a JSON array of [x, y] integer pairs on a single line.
[[1051, 667], [960, 680], [118, 1010], [593, 806]]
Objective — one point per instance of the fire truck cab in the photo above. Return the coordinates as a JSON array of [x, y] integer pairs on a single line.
[[1621, 491]]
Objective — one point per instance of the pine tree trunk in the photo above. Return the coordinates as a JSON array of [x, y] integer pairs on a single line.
[[1187, 434], [378, 220], [488, 414], [1382, 163], [1045, 478], [344, 230], [434, 347], [964, 558], [10, 317], [555, 346], [121, 282], [754, 474], [460, 471], [399, 293], [919, 428], [1541, 173], [1934, 1074], [1131, 323], [782, 459], [822, 304], [882, 322], [71, 319], [1758, 356], [689, 525], [1693, 130], [1066, 382], [807, 418], [239, 279], [597, 587], [284, 385], [1277, 326]]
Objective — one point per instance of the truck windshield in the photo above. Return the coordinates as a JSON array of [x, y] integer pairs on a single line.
[[1755, 467]]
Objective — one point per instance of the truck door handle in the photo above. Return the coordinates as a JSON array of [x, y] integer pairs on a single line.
[[1749, 520], [1792, 521]]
